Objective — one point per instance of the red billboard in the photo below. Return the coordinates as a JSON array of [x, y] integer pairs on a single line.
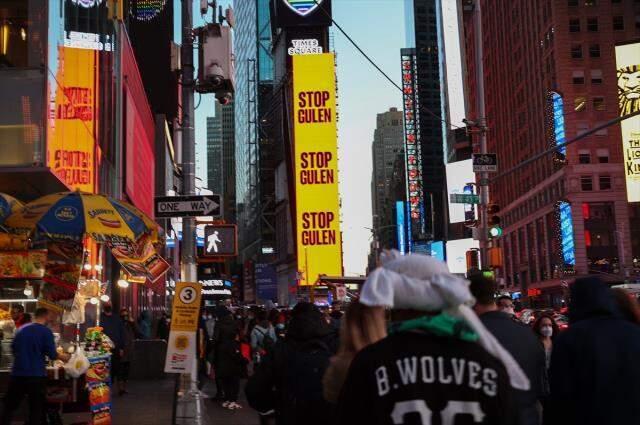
[[139, 132]]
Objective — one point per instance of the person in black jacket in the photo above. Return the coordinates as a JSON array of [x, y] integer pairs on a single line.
[[595, 373], [289, 379], [228, 361], [518, 339]]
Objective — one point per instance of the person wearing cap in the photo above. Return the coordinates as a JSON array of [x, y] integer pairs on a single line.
[[438, 364], [517, 338]]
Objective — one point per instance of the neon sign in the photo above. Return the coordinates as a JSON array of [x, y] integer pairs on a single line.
[[566, 234]]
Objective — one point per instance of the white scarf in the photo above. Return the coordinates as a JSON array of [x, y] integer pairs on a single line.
[[419, 282]]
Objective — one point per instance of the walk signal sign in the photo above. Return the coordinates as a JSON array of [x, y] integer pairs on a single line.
[[220, 240]]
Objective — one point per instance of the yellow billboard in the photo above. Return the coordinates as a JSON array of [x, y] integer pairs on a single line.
[[319, 240], [72, 120], [628, 66]]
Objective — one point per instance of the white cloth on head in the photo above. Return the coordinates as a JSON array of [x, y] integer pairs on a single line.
[[419, 282]]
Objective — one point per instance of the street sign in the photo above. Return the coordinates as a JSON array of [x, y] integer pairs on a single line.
[[464, 198], [188, 206], [485, 162], [220, 240]]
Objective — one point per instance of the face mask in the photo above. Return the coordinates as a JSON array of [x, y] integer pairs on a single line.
[[546, 331]]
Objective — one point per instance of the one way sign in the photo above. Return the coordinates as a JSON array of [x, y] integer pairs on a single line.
[[188, 206]]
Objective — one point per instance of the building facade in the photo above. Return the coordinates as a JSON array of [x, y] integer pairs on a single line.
[[387, 146], [566, 214], [214, 152], [228, 162]]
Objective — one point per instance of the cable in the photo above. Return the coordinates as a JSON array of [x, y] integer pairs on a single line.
[[384, 74], [199, 100]]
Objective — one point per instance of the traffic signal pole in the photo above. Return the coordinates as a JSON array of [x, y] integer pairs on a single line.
[[482, 125]]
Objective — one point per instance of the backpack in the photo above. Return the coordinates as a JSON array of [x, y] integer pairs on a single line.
[[267, 342]]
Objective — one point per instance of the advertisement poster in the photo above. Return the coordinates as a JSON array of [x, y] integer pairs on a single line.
[[23, 264], [181, 348], [73, 119], [266, 282], [98, 380], [628, 73], [140, 260], [319, 240]]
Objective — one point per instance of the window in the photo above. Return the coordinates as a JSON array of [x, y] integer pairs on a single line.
[[618, 23], [594, 51], [602, 131], [598, 104], [596, 76], [584, 156], [578, 77], [576, 51], [603, 155], [616, 1], [580, 103], [572, 3], [592, 24], [574, 25], [590, 2], [605, 182], [586, 183], [582, 127]]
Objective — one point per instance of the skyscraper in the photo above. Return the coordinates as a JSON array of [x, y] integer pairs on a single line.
[[565, 214], [228, 162], [423, 36], [214, 152], [386, 148]]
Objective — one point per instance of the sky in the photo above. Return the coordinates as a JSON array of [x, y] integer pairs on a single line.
[[377, 26]]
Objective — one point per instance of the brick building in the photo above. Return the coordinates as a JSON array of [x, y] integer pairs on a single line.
[[565, 214]]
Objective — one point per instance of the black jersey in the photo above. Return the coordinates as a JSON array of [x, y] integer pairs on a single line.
[[415, 378]]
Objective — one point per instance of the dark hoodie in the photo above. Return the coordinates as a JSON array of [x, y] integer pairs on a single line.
[[289, 379], [227, 357], [595, 365]]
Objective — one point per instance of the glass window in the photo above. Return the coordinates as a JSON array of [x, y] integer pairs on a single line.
[[574, 25], [582, 127], [578, 77], [598, 104], [603, 155], [590, 2], [584, 156], [596, 76], [586, 183], [602, 131], [572, 3], [592, 24], [616, 1], [594, 51], [579, 103], [605, 182], [618, 23], [576, 51]]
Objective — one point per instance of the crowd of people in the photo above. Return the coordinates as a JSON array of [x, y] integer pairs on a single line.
[[424, 346]]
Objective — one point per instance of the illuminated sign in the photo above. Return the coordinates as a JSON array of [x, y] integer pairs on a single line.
[[400, 227], [73, 119], [413, 149], [628, 65], [86, 3], [558, 121], [566, 234], [302, 7], [437, 250], [305, 47], [302, 13], [87, 40], [319, 241]]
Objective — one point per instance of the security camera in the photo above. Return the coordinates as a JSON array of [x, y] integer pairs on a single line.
[[224, 97], [215, 75]]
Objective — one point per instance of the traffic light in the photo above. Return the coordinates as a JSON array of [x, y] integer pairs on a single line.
[[473, 260], [494, 220]]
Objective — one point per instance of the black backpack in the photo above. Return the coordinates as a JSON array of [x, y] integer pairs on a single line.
[[267, 342]]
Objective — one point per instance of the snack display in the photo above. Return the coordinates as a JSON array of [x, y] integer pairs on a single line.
[[98, 371], [97, 342]]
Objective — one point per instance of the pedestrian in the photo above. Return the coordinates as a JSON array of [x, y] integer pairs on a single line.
[[144, 324], [595, 373], [31, 344], [128, 339], [438, 360], [162, 332], [627, 305], [336, 315], [18, 316], [263, 337], [113, 327], [288, 382], [361, 326], [546, 329], [517, 338], [229, 363]]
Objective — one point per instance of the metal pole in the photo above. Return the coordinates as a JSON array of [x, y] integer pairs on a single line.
[[482, 123]]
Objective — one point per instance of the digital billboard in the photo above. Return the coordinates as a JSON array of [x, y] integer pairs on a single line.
[[457, 254], [296, 13], [413, 148], [400, 227], [319, 241], [73, 118], [459, 174], [628, 73]]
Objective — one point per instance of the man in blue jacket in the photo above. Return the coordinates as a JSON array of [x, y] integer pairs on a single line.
[[595, 372], [31, 344]]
